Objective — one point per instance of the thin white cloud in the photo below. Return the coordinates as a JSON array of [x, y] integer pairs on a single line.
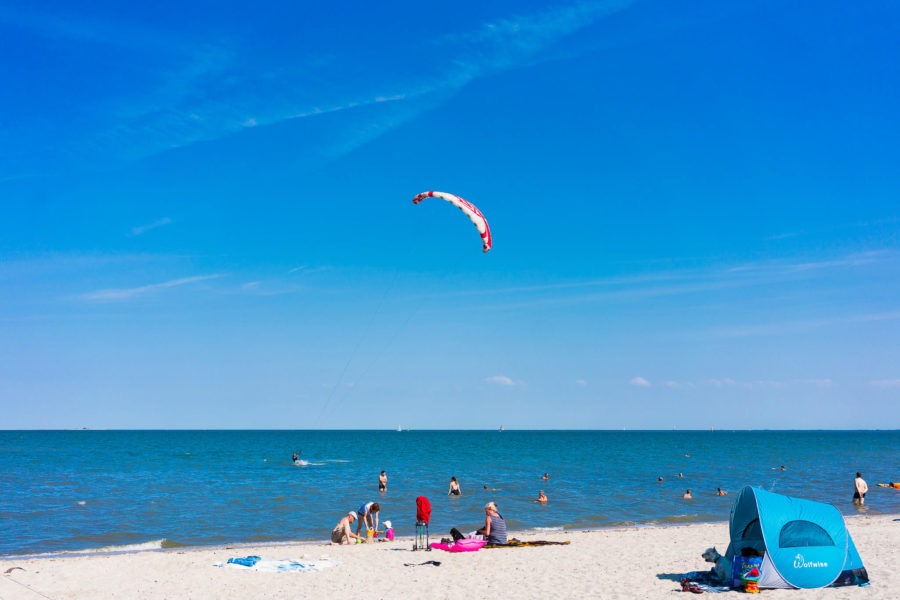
[[179, 111], [142, 229], [581, 382], [123, 294], [639, 382], [885, 383], [500, 380], [799, 325], [683, 282]]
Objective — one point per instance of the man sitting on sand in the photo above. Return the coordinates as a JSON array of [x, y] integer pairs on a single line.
[[343, 532]]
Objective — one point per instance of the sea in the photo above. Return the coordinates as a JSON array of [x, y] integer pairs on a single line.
[[90, 491]]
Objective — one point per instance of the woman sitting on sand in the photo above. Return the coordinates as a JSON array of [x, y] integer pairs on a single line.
[[343, 532], [494, 526]]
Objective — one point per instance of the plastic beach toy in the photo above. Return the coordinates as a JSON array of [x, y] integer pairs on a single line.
[[751, 581]]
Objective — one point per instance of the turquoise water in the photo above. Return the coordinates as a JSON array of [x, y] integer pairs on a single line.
[[80, 490]]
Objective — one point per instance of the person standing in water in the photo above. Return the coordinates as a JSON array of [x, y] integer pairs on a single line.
[[860, 489], [382, 482], [454, 487]]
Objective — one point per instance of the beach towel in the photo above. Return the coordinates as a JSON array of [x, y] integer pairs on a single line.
[[463, 545], [702, 581], [270, 565], [423, 510], [514, 543]]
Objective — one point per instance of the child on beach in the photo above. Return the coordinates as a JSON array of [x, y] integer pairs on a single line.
[[388, 531]]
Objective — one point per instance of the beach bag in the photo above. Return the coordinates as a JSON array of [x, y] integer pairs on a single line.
[[740, 566]]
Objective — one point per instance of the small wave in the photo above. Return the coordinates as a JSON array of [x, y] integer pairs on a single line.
[[548, 529], [141, 547], [150, 546]]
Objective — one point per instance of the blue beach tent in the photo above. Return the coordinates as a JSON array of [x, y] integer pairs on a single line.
[[804, 544]]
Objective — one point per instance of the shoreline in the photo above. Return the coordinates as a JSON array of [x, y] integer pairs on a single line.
[[624, 561], [129, 549]]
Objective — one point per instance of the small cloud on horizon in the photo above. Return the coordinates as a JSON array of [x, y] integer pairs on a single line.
[[885, 383], [727, 382], [500, 380], [581, 382], [639, 382]]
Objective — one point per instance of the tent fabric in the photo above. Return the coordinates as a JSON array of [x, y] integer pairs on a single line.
[[805, 544]]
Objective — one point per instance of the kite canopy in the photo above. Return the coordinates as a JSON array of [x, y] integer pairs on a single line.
[[468, 208]]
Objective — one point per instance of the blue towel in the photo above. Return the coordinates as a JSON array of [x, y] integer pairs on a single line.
[[245, 561]]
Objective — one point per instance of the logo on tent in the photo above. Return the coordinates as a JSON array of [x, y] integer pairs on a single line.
[[800, 563]]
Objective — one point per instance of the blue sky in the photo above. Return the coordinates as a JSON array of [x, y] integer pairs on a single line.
[[206, 217]]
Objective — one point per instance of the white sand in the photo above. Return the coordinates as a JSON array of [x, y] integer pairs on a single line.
[[636, 562]]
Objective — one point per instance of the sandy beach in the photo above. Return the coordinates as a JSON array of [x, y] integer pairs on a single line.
[[632, 562]]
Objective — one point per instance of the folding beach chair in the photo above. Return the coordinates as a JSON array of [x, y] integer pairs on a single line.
[[423, 518]]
